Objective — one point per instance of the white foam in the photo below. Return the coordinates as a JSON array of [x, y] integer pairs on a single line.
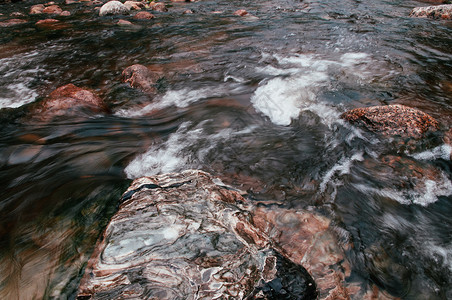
[[15, 76], [340, 168], [426, 192], [299, 80], [180, 98], [184, 149], [444, 152]]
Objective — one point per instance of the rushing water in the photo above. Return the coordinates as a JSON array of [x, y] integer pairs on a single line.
[[254, 100]]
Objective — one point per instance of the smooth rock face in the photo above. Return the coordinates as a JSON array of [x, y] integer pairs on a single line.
[[113, 8], [138, 76], [144, 15], [393, 120], [434, 12], [68, 99], [181, 236]]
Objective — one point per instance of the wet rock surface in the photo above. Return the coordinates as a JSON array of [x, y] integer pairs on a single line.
[[139, 76], [179, 236], [113, 8], [67, 100], [393, 120], [434, 12]]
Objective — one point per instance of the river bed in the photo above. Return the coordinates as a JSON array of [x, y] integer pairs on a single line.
[[253, 100]]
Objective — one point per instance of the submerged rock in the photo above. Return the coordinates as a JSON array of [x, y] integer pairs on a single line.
[[393, 120], [138, 76], [241, 13], [144, 15], [37, 9], [161, 7], [434, 12], [113, 8], [67, 100], [12, 22], [134, 5], [52, 10]]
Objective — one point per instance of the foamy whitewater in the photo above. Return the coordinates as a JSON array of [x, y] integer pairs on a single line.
[[184, 149], [16, 82], [297, 81]]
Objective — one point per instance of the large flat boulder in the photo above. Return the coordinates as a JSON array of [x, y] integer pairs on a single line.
[[393, 120], [435, 12], [187, 236]]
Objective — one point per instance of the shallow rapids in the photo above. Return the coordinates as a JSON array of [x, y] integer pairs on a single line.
[[255, 101]]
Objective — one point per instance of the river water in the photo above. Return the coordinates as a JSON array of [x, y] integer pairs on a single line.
[[253, 100]]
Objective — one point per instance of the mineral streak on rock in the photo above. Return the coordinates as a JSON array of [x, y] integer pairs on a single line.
[[393, 120], [138, 76], [177, 236], [434, 12]]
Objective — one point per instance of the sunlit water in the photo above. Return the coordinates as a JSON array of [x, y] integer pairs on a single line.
[[254, 100]]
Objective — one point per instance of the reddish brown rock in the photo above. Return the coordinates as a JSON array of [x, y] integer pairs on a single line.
[[124, 22], [47, 22], [241, 13], [434, 12], [144, 15], [65, 13], [161, 7], [138, 76], [67, 100], [37, 9], [12, 22], [393, 120], [134, 5], [52, 10], [17, 14], [188, 12]]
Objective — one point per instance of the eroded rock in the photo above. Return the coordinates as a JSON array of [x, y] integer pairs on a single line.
[[138, 76], [393, 120], [178, 236], [113, 8], [434, 12]]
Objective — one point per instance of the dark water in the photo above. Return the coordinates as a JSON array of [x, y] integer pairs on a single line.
[[255, 101]]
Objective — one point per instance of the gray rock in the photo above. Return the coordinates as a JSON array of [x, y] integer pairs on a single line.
[[434, 12], [187, 236], [113, 8]]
